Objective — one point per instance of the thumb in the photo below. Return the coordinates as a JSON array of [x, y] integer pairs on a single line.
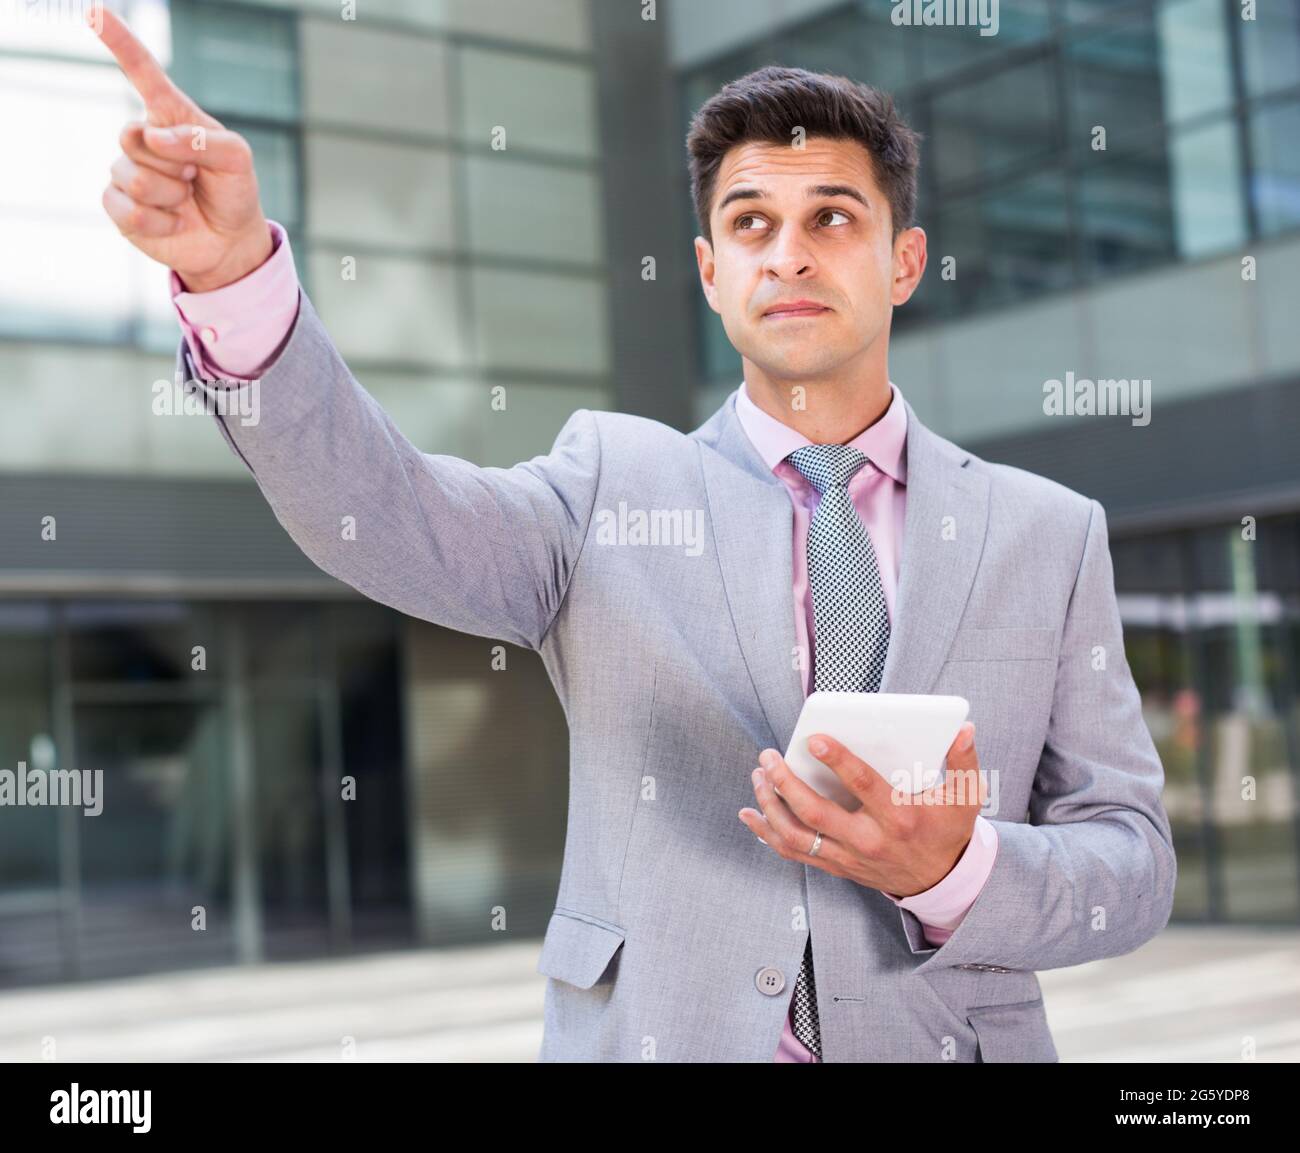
[[216, 149], [964, 781], [962, 753]]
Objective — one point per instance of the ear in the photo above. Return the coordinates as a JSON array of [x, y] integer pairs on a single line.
[[704, 259], [909, 264]]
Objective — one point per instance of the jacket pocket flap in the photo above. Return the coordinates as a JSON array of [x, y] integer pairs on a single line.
[[1013, 1032], [578, 948], [1003, 645]]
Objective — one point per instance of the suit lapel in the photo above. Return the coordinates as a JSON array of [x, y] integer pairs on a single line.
[[753, 526], [943, 537], [753, 530]]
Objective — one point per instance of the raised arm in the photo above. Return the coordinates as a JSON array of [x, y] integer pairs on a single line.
[[487, 551]]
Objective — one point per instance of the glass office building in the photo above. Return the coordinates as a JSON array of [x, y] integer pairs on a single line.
[[295, 769], [472, 190]]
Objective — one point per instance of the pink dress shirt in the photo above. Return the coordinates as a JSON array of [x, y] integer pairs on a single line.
[[233, 333], [236, 332]]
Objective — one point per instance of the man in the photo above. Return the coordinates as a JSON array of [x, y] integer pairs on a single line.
[[705, 913]]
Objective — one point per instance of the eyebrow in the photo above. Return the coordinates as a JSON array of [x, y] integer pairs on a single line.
[[815, 192]]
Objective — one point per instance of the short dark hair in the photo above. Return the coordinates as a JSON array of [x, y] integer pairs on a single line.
[[767, 105]]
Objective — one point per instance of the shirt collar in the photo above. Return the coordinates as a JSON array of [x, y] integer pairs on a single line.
[[883, 442]]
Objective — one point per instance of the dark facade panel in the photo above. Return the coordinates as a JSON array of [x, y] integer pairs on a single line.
[[1224, 455], [151, 534]]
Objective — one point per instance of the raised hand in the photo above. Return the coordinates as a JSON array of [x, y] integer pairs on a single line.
[[183, 191]]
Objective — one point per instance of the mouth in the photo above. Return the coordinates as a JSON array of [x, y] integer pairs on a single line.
[[797, 309]]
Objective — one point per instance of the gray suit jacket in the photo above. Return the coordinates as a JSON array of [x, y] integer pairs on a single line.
[[676, 934]]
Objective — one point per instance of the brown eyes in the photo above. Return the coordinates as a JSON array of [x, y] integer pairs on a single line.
[[821, 216]]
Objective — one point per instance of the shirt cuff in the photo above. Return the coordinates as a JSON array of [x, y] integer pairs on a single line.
[[247, 322], [942, 906]]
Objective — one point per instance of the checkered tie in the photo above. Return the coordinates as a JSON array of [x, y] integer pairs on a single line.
[[850, 627]]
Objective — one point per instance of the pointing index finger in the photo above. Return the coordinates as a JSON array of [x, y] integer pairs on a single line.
[[137, 63]]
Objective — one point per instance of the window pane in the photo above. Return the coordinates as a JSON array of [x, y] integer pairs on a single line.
[[29, 843], [1081, 10], [994, 125], [139, 642], [1009, 243], [1270, 46], [544, 106], [863, 44], [59, 27], [1114, 81], [1125, 211], [292, 872], [1275, 183], [946, 48], [275, 153], [530, 321], [161, 844], [519, 210], [559, 23], [409, 310], [1205, 170], [369, 79], [375, 192], [236, 60], [282, 642], [1194, 58], [65, 265]]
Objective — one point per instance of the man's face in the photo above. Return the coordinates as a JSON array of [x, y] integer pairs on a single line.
[[811, 225]]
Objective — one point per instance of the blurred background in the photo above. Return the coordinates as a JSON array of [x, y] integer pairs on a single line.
[[1173, 256]]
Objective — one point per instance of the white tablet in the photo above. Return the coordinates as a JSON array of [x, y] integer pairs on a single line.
[[905, 737]]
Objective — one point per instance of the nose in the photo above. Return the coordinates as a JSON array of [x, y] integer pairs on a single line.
[[789, 257]]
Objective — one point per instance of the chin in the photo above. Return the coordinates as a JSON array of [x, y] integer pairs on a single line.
[[814, 364]]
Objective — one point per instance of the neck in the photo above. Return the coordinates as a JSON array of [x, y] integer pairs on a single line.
[[826, 411]]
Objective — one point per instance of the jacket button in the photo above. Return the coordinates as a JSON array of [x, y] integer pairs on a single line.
[[770, 981]]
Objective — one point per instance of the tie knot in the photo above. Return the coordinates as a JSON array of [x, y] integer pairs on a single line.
[[827, 465]]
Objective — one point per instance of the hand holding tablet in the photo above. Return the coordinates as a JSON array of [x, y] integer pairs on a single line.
[[903, 736]]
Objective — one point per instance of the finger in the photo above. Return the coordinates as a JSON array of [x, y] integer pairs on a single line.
[[752, 819], [134, 219], [831, 856], [132, 141], [137, 63], [807, 804], [785, 826], [146, 186], [859, 777], [216, 149]]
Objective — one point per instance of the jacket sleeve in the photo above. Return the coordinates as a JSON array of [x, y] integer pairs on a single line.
[[486, 551], [1092, 873]]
